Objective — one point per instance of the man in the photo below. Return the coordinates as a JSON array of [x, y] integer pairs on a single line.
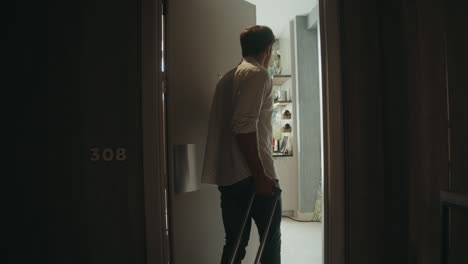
[[238, 155]]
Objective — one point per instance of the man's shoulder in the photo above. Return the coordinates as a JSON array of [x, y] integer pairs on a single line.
[[246, 71]]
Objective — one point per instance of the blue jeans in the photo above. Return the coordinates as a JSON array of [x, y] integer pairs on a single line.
[[234, 203]]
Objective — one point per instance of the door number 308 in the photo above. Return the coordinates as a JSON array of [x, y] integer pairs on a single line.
[[108, 154]]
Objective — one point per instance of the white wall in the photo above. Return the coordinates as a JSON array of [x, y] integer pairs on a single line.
[[308, 102], [277, 13]]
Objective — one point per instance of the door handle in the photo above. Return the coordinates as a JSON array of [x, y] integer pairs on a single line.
[[188, 162]]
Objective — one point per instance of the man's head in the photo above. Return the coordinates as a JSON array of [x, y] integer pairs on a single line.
[[257, 41]]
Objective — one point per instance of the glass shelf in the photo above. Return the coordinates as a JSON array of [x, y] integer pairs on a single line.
[[276, 155], [279, 80], [281, 103]]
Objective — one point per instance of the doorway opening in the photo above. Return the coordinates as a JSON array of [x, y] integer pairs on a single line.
[[191, 70], [297, 124]]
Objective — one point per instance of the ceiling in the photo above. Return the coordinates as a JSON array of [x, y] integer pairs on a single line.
[[277, 13]]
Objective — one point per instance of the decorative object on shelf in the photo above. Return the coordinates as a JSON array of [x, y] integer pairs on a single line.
[[283, 147], [284, 144], [283, 96], [286, 115], [275, 62], [287, 128], [275, 145]]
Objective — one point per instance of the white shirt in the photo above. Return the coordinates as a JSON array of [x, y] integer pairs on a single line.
[[242, 103]]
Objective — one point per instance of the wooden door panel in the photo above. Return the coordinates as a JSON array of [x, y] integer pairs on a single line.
[[202, 43]]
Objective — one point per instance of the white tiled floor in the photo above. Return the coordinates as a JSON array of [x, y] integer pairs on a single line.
[[301, 243]]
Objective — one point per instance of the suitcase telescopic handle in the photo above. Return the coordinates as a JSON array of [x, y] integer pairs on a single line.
[[276, 195]]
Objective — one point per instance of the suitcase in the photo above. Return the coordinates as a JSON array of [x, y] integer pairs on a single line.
[[277, 194]]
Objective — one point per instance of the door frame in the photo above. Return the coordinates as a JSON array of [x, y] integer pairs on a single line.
[[333, 136], [154, 134]]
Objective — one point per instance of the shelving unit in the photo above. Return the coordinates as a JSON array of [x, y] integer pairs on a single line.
[[281, 103]]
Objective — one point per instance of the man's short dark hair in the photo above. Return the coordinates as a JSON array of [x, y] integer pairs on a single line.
[[256, 39]]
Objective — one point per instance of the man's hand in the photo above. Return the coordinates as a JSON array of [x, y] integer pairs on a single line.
[[264, 185]]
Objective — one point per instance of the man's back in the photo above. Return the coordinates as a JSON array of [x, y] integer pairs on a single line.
[[242, 104]]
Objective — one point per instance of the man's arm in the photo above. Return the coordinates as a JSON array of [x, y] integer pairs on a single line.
[[244, 122], [248, 146]]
